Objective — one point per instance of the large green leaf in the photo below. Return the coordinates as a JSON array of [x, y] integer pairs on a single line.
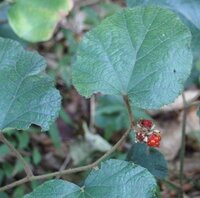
[[189, 9], [36, 20], [189, 12], [149, 158], [141, 52], [27, 94], [114, 179]]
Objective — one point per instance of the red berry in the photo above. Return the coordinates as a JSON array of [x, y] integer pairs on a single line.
[[154, 140], [146, 124], [140, 136]]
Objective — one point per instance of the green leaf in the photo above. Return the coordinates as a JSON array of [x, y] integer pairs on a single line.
[[188, 12], [111, 113], [27, 94], [55, 135], [7, 169], [137, 52], [4, 150], [149, 158], [115, 178], [189, 9], [195, 41], [65, 117], [36, 20], [23, 139], [36, 156], [18, 167], [19, 191], [4, 195]]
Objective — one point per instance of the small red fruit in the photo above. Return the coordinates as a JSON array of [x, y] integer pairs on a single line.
[[140, 136], [154, 140], [148, 124]]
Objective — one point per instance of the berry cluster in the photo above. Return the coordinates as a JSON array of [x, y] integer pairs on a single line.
[[147, 134]]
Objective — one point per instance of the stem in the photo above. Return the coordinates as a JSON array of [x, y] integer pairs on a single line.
[[92, 113], [195, 103], [64, 165], [182, 150], [192, 102], [27, 168], [68, 171], [130, 113], [88, 3], [172, 184]]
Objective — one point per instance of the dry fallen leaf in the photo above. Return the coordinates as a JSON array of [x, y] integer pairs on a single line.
[[172, 127]]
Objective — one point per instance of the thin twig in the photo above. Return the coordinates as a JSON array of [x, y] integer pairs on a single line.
[[194, 98], [88, 3], [195, 103], [27, 168], [92, 113], [182, 150], [64, 165], [68, 171], [172, 184], [130, 113]]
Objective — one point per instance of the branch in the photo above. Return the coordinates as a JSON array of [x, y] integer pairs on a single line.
[[64, 165], [88, 3], [189, 104], [27, 168], [92, 113], [68, 171], [182, 151], [192, 102]]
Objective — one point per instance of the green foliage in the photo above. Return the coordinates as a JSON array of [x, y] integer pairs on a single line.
[[23, 139], [132, 53], [195, 41], [19, 192], [36, 20], [3, 195], [189, 9], [189, 14], [27, 95], [18, 167], [54, 131], [111, 114], [93, 18], [55, 135], [5, 29], [36, 156], [149, 158], [4, 150], [115, 178], [65, 117]]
